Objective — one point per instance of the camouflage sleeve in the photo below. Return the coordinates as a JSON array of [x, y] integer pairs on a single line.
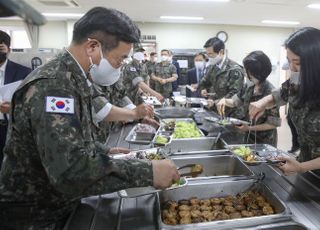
[[73, 163], [173, 69], [145, 73], [312, 121], [101, 108], [239, 97], [131, 74], [236, 78], [281, 95], [273, 117]]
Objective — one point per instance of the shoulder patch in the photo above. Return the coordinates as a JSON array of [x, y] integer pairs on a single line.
[[133, 69], [59, 105]]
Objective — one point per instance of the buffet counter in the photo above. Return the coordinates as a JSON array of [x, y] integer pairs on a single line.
[[295, 198]]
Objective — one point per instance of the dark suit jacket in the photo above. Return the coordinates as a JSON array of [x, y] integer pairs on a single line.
[[192, 79], [15, 72]]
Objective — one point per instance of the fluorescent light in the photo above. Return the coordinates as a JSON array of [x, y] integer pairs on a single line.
[[314, 6], [181, 18], [63, 15], [280, 22]]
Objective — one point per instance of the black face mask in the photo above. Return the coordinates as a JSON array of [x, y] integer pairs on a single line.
[[3, 57]]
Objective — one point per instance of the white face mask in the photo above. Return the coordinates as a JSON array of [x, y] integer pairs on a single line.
[[295, 78], [139, 56], [155, 59], [164, 58], [104, 74], [215, 61], [199, 64]]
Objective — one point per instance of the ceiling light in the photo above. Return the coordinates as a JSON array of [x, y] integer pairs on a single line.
[[281, 22], [181, 18], [63, 15], [314, 6]]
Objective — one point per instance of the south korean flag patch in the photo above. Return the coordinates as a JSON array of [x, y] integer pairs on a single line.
[[59, 105]]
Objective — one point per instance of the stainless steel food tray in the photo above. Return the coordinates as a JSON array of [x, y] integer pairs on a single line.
[[220, 189], [132, 138], [214, 166], [173, 112], [190, 144], [189, 120]]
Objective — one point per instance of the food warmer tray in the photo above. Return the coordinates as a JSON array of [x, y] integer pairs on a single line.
[[214, 166], [221, 189]]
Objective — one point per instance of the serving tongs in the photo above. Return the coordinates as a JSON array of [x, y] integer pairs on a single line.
[[254, 186], [192, 173]]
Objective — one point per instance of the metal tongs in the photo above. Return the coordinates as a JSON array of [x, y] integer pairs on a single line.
[[255, 135], [193, 173]]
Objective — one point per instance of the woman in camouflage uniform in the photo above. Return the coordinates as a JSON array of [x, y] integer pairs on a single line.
[[258, 68], [303, 94]]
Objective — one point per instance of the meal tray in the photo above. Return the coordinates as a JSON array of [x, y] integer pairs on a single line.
[[262, 152], [134, 138]]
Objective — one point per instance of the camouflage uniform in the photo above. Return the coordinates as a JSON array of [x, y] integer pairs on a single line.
[[116, 95], [272, 116], [224, 82], [52, 159], [164, 70], [150, 68], [305, 117], [132, 74]]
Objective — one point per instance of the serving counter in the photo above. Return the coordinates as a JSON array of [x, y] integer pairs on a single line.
[[300, 193]]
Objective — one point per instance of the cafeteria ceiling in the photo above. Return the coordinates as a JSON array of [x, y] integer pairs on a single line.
[[233, 12]]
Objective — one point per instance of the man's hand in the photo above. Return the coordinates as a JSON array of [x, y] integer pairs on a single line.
[[163, 81], [150, 121], [221, 105], [210, 103], [290, 167], [5, 107], [117, 150], [256, 109], [242, 128], [165, 173], [143, 110], [160, 97]]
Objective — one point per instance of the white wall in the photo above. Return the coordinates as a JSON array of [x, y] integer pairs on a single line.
[[53, 35], [242, 39]]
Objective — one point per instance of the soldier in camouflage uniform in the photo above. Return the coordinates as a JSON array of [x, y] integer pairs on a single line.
[[51, 157], [224, 77], [164, 74], [150, 67], [135, 78], [258, 68], [108, 117], [302, 93]]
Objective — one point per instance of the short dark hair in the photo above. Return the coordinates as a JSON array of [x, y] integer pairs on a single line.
[[215, 43], [257, 64], [165, 50], [305, 43], [5, 38], [153, 54], [200, 54], [109, 26]]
